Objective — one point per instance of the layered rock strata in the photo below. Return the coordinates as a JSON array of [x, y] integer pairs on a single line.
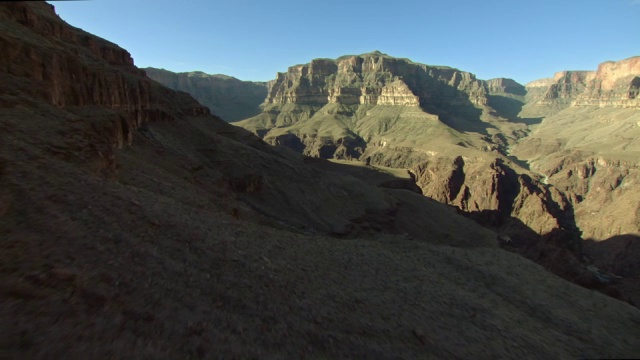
[[614, 84], [374, 79]]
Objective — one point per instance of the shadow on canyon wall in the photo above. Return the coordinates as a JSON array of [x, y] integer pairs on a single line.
[[511, 108], [618, 256], [462, 116], [371, 175]]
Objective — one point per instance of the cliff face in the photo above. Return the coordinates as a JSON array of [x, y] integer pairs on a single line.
[[65, 80], [61, 75], [225, 96], [505, 86], [374, 99], [354, 106], [614, 84], [374, 79], [568, 85], [601, 189], [494, 195]]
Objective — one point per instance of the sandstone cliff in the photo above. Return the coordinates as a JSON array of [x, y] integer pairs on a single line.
[[374, 79], [225, 96], [505, 86], [614, 84]]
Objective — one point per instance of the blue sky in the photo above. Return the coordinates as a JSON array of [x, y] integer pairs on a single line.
[[253, 39]]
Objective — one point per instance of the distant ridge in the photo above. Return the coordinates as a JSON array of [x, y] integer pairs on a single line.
[[224, 95]]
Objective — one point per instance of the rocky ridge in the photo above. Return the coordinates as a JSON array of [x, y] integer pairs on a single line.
[[227, 97], [614, 84], [352, 85], [38, 68]]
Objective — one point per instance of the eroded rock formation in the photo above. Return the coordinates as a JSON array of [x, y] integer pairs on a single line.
[[374, 79], [495, 195], [614, 84]]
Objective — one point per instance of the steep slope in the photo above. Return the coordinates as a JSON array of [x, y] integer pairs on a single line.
[[225, 96], [134, 224]]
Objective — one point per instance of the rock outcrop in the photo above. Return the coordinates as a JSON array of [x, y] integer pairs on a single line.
[[614, 84], [496, 196], [567, 85], [227, 97], [374, 79], [505, 86], [44, 70], [601, 190]]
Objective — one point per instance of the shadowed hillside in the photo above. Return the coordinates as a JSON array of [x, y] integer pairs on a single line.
[[227, 97]]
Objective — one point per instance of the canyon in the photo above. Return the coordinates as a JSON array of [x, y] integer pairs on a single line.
[[135, 223], [555, 155], [460, 135]]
